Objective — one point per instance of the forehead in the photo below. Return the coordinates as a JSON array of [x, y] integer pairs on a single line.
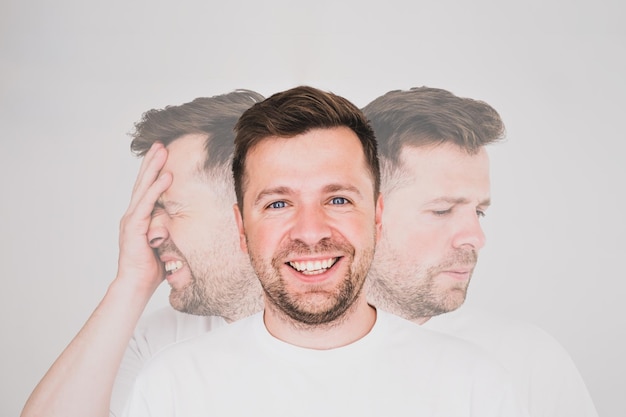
[[442, 159], [317, 157], [445, 167], [185, 156]]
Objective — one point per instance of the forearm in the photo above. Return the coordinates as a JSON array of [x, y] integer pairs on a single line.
[[80, 381]]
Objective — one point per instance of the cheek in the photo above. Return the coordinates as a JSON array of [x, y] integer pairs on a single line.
[[399, 231], [412, 236], [262, 239], [355, 229]]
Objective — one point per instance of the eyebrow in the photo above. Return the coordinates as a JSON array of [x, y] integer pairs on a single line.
[[334, 188], [168, 205], [284, 190], [460, 200], [270, 192]]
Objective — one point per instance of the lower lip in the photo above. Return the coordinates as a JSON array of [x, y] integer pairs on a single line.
[[172, 277], [315, 278], [458, 276]]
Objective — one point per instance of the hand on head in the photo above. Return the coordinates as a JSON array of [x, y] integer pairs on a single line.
[[137, 259]]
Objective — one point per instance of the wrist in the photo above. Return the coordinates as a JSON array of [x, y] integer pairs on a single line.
[[131, 290]]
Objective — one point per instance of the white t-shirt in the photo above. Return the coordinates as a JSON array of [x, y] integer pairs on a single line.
[[154, 332], [544, 374], [397, 369]]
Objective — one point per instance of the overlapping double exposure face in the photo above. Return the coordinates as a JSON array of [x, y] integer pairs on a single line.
[[195, 237], [432, 233]]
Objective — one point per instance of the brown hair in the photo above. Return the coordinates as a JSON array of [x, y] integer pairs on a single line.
[[294, 112], [214, 117], [430, 116]]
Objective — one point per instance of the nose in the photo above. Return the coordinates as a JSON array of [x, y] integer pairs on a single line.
[[310, 225], [470, 234], [157, 231]]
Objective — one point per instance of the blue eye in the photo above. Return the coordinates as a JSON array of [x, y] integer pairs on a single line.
[[442, 212], [339, 200], [480, 213], [277, 205]]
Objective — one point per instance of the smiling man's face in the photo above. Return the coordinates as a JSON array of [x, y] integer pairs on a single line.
[[310, 222]]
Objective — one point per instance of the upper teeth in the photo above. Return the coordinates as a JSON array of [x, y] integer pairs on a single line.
[[172, 266], [313, 266]]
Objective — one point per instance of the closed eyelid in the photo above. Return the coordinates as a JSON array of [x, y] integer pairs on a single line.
[[157, 208], [485, 204], [169, 207], [451, 202]]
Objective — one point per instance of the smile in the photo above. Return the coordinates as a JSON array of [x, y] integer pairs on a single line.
[[313, 267]]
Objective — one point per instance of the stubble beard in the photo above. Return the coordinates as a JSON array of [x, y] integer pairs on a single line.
[[414, 291], [216, 287], [318, 306]]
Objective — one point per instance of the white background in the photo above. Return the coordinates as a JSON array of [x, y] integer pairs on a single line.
[[74, 77]]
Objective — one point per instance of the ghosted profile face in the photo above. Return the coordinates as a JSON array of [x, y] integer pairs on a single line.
[[309, 222], [432, 234], [195, 237]]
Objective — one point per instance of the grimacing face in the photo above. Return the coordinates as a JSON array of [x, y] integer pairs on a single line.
[[195, 237], [310, 222], [432, 233]]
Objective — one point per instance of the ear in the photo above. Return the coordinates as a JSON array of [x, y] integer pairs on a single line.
[[239, 220], [378, 216]]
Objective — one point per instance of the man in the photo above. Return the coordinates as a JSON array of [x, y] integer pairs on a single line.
[[178, 227], [309, 215], [436, 186]]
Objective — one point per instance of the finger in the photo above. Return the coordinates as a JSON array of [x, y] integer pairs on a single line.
[[147, 175], [136, 223], [145, 161], [142, 213], [154, 154]]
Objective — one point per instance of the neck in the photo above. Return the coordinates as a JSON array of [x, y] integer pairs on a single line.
[[355, 323]]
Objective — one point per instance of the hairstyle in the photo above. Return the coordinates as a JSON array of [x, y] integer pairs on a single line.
[[214, 117], [294, 112], [430, 116]]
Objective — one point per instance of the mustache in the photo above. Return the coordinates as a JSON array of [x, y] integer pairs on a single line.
[[295, 248], [168, 247], [459, 258]]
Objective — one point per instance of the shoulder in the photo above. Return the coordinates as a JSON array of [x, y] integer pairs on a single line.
[[403, 334], [167, 319], [498, 334], [541, 368], [166, 325], [426, 358], [220, 340]]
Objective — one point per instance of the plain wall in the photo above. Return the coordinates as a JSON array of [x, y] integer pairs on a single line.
[[76, 76]]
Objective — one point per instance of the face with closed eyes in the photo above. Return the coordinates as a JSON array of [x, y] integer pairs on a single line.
[[432, 233], [195, 237], [310, 222]]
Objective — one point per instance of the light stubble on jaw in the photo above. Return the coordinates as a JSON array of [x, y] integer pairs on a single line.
[[305, 309], [411, 291]]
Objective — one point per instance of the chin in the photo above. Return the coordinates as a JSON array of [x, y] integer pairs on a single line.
[[453, 302]]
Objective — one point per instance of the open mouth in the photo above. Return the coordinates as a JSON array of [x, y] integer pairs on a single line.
[[172, 266], [313, 267]]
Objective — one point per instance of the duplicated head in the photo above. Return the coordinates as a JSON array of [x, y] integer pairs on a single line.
[[307, 177], [192, 229], [435, 178]]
